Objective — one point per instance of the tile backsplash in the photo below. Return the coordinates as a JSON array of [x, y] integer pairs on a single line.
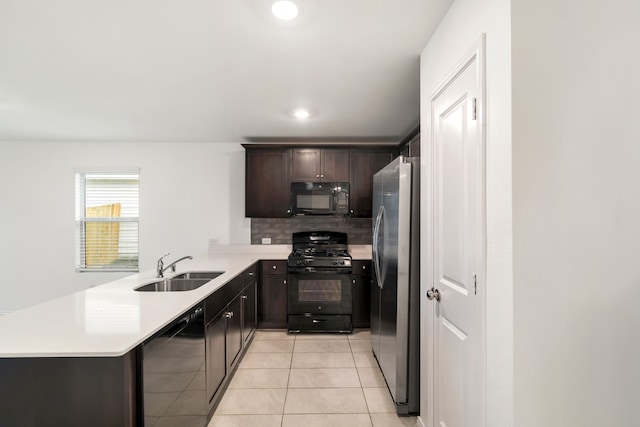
[[280, 229]]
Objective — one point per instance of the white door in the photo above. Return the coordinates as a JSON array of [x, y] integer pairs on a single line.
[[456, 196]]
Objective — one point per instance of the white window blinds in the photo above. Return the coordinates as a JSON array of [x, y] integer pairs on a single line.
[[107, 212]]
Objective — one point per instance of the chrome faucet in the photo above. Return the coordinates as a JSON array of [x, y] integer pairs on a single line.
[[160, 269]]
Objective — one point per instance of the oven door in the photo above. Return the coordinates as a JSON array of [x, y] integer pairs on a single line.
[[319, 302], [319, 293]]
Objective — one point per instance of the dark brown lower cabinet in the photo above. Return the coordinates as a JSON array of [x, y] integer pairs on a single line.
[[228, 331], [234, 331], [361, 288], [69, 391], [249, 310], [107, 391], [272, 295], [216, 354]]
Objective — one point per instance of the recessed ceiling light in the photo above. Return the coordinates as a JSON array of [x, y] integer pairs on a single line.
[[284, 10], [301, 114]]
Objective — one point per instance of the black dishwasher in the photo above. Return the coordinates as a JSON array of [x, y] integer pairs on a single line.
[[173, 373]]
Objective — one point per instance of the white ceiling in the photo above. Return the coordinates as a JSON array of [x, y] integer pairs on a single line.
[[210, 70]]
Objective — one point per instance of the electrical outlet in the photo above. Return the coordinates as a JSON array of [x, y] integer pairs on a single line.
[[266, 240]]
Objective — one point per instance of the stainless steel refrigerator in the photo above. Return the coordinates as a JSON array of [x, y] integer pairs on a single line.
[[395, 318]]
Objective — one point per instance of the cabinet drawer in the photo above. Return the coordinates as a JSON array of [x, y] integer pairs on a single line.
[[361, 268], [274, 267], [309, 323], [250, 274], [221, 297]]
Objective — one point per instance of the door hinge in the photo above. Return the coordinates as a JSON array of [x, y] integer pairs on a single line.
[[474, 109], [475, 284]]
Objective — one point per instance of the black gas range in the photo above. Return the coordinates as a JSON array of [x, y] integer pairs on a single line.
[[319, 251], [319, 297]]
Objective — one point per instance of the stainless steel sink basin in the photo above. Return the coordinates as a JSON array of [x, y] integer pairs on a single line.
[[209, 275], [173, 285]]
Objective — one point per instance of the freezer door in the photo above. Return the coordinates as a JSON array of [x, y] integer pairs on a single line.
[[376, 283], [388, 354]]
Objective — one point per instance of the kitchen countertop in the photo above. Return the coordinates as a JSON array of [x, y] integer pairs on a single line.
[[111, 319]]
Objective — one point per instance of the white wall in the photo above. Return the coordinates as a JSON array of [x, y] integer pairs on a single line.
[[189, 193], [458, 32], [576, 178]]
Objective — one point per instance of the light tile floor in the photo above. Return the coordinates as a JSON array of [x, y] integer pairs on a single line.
[[309, 380]]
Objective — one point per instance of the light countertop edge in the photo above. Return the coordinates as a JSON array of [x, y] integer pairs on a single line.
[[112, 319]]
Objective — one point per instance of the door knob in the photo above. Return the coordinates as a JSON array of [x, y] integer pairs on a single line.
[[433, 294]]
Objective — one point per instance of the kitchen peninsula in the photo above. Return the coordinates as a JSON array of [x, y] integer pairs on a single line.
[[76, 360]]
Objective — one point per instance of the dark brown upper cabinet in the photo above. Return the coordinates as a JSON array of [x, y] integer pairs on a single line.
[[271, 169], [320, 165], [365, 162], [410, 147], [267, 183]]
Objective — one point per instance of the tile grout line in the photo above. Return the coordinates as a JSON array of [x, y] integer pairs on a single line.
[[286, 395]]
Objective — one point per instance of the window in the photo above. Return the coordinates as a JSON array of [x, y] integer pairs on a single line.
[[107, 211]]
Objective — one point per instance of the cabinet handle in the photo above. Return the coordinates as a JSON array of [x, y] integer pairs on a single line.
[[353, 281], [275, 267], [228, 314], [321, 176], [251, 273], [317, 176], [284, 281], [244, 297], [364, 267]]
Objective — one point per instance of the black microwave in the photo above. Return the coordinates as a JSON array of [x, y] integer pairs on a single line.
[[320, 198]]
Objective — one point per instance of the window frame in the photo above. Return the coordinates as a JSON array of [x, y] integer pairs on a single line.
[[81, 220]]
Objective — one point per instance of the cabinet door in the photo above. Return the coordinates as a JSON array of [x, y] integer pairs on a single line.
[[414, 146], [216, 361], [234, 331], [249, 312], [364, 164], [315, 164], [361, 288], [334, 165], [273, 301], [305, 164], [267, 183]]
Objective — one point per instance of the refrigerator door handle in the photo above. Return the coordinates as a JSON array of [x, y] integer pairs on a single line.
[[376, 251]]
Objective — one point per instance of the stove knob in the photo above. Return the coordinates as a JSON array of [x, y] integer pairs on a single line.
[[334, 262], [341, 262]]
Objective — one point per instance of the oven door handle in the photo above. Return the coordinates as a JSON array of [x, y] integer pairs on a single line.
[[376, 248]]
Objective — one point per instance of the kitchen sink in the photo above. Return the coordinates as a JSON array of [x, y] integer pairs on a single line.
[[173, 285], [209, 275]]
